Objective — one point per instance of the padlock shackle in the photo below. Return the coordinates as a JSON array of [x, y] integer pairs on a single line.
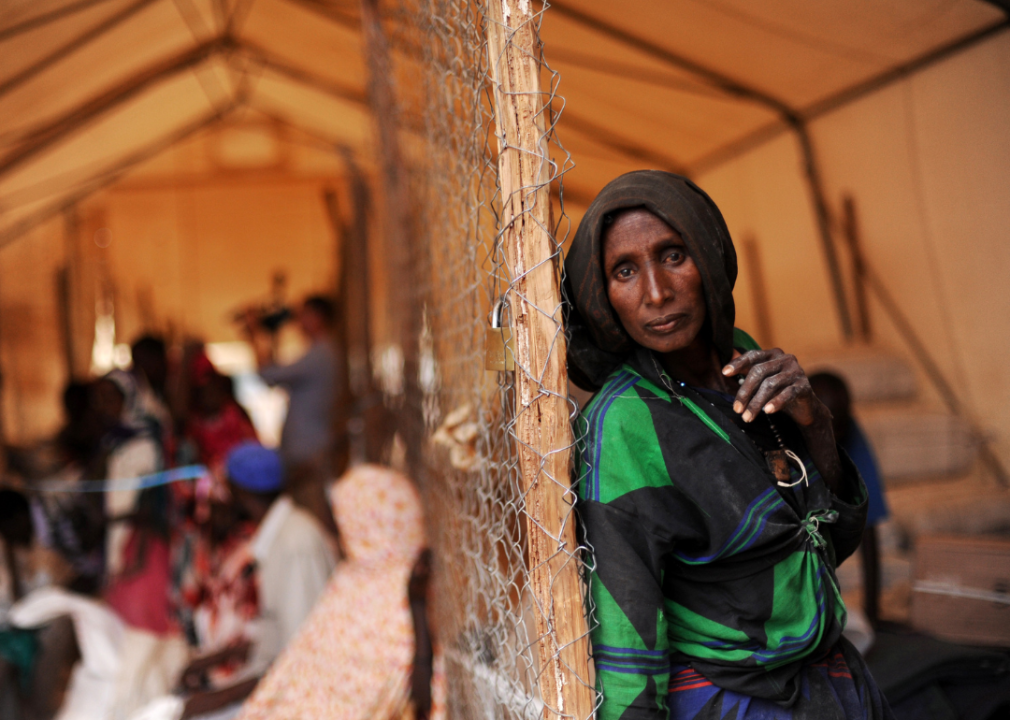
[[498, 314]]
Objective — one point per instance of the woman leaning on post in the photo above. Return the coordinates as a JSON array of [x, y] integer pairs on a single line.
[[713, 495]]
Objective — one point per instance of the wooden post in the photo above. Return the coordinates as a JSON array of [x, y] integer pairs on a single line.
[[343, 402], [851, 228], [542, 428], [64, 287], [758, 290], [403, 306]]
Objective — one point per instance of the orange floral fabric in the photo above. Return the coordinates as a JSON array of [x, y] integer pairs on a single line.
[[352, 659]]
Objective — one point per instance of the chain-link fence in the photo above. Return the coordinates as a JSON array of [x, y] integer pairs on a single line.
[[508, 593]]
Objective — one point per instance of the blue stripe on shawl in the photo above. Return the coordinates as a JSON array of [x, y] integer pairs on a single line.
[[747, 532], [621, 382]]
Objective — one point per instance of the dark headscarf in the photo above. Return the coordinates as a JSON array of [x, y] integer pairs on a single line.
[[597, 342]]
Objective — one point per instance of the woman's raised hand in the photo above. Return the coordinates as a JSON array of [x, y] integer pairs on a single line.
[[774, 381]]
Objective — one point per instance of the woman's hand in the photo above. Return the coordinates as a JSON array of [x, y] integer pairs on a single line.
[[774, 382]]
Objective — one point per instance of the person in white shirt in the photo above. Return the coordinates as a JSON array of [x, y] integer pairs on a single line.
[[292, 557]]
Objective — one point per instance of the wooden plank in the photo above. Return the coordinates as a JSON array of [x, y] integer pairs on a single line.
[[542, 428]]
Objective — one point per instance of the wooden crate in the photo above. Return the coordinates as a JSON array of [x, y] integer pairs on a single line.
[[961, 589]]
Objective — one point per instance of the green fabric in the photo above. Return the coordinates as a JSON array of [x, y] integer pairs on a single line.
[[743, 341], [698, 556], [640, 450], [623, 688], [19, 648]]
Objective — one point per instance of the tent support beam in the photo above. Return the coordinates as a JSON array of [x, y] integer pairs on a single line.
[[114, 173], [403, 312], [330, 13], [46, 136], [735, 149], [723, 82], [319, 141], [735, 88], [73, 45], [622, 145], [45, 18], [304, 77], [920, 350]]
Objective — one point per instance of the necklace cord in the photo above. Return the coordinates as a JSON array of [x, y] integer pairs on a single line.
[[711, 424]]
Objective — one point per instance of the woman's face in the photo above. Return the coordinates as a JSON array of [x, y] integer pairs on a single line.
[[652, 282]]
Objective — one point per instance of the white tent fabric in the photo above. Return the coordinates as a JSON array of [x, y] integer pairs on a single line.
[[89, 88], [687, 83]]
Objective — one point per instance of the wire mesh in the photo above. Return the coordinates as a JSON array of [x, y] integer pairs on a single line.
[[498, 638]]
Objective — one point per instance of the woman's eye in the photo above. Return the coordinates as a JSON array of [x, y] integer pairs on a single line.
[[675, 256]]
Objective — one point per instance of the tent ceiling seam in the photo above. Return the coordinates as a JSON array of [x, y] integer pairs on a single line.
[[45, 18], [87, 37], [301, 75], [209, 83], [623, 145], [43, 137], [729, 85], [844, 97], [629, 71], [111, 175], [239, 12], [329, 13], [330, 143]]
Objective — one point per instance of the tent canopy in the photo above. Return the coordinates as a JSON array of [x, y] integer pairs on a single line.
[[91, 88]]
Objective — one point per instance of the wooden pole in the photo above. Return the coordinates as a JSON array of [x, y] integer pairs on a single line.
[[343, 402], [758, 290], [542, 429], [404, 305], [66, 282], [851, 228]]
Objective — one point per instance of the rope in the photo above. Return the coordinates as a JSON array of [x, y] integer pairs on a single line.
[[165, 477]]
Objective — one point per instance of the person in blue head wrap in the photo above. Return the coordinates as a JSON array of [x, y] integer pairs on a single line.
[[292, 558]]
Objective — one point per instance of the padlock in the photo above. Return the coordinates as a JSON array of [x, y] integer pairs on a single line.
[[500, 350]]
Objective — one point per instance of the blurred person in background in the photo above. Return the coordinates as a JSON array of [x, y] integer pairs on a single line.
[[137, 549], [365, 652], [215, 604], [78, 439], [150, 371], [834, 393], [73, 524], [35, 664], [311, 383], [216, 423], [291, 557]]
